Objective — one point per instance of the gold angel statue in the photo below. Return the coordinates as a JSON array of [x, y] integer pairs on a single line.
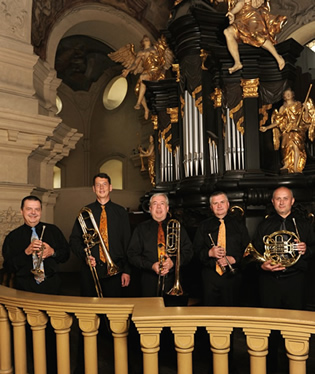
[[251, 23], [151, 62], [150, 154], [290, 124]]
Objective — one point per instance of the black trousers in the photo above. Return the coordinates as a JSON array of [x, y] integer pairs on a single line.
[[111, 286], [283, 290], [220, 290]]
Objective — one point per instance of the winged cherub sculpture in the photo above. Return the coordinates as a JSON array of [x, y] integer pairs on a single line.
[[151, 62]]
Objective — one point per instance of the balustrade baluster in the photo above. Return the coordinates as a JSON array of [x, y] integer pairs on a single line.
[[297, 346], [62, 322], [5, 343], [18, 319], [257, 342], [120, 326], [38, 321], [220, 347], [89, 324], [150, 346], [184, 345]]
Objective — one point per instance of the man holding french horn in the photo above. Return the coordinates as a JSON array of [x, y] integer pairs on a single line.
[[149, 251], [284, 242], [219, 243]]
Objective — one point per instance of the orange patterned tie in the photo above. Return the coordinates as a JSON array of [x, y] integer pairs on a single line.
[[221, 243], [104, 233], [161, 241]]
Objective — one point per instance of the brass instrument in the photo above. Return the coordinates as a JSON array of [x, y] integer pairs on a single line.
[[161, 283], [172, 249], [92, 237], [280, 247], [232, 270], [37, 270]]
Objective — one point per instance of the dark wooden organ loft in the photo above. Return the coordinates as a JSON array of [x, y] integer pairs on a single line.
[[199, 148]]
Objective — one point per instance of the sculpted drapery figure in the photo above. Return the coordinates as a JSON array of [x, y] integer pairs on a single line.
[[252, 23], [150, 154], [290, 124], [151, 62]]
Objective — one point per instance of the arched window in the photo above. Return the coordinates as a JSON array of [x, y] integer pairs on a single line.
[[114, 168], [115, 92], [57, 177]]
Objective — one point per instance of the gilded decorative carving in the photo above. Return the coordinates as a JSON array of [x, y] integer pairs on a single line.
[[176, 69], [216, 97], [155, 121], [250, 87], [173, 112], [167, 136], [182, 105], [203, 56]]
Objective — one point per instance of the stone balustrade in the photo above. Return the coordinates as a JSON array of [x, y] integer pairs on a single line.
[[150, 317]]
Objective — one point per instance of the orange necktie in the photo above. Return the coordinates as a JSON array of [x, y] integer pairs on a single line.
[[221, 243], [161, 241], [104, 233]]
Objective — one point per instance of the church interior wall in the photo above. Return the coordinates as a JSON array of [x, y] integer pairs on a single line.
[[105, 134]]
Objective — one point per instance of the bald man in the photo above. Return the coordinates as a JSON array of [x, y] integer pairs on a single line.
[[285, 287]]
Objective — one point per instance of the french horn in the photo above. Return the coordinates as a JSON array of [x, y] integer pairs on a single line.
[[281, 247]]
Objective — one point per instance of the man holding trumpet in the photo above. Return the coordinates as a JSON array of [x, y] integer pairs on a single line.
[[219, 243], [33, 251]]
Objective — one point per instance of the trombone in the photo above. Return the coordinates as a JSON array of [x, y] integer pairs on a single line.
[[37, 270], [92, 237], [172, 249]]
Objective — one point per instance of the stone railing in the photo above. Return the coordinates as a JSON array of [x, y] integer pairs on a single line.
[[150, 317]]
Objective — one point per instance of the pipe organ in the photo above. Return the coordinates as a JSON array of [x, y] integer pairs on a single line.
[[233, 146], [166, 164], [193, 139]]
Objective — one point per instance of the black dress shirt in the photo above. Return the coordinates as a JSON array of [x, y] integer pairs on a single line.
[[18, 262]]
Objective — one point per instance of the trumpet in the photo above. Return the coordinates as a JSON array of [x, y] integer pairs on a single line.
[[172, 249], [232, 270], [92, 237], [37, 270]]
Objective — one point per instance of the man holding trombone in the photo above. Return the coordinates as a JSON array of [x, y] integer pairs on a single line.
[[148, 250], [219, 243], [102, 247]]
